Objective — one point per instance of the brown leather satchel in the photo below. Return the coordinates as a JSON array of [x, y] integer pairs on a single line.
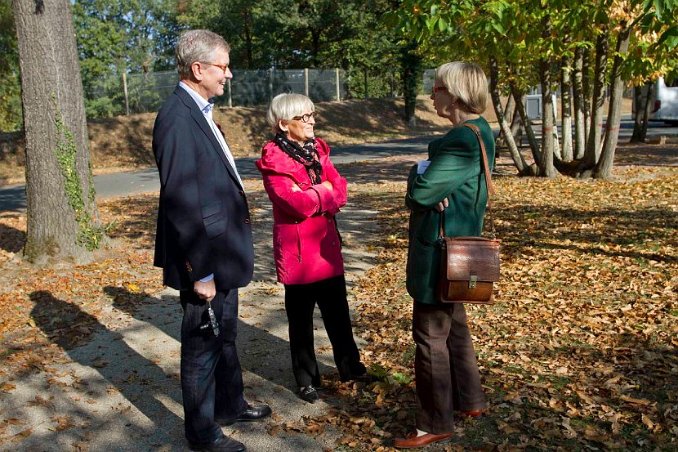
[[469, 266]]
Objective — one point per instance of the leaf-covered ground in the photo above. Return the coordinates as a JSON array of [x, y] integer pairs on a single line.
[[579, 351]]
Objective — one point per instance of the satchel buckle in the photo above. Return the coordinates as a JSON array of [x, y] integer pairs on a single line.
[[473, 279]]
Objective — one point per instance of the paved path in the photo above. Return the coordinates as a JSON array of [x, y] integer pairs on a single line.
[[13, 198], [121, 392]]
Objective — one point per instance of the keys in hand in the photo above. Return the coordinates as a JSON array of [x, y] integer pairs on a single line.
[[213, 324]]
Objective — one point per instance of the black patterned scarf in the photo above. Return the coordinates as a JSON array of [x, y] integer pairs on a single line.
[[307, 155]]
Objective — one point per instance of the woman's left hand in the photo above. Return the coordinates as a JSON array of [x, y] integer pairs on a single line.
[[442, 205]]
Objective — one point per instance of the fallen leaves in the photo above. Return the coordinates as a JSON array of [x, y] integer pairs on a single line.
[[579, 352], [580, 347]]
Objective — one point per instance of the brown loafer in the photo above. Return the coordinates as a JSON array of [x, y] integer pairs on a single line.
[[413, 441], [472, 413]]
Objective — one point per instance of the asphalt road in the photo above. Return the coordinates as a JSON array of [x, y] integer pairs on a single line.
[[13, 198]]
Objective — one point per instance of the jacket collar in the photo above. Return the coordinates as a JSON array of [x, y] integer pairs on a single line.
[[199, 118]]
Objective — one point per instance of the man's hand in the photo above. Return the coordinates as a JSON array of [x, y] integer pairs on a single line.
[[205, 290], [328, 184], [295, 187], [442, 205]]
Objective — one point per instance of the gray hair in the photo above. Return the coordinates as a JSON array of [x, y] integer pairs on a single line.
[[467, 84], [286, 106], [197, 45]]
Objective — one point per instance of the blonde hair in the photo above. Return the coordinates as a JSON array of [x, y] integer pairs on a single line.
[[285, 106], [197, 45], [466, 83]]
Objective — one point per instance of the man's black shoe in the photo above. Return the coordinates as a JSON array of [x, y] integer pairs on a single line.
[[221, 444], [308, 393], [250, 413]]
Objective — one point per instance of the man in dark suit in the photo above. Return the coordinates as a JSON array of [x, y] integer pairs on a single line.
[[204, 241]]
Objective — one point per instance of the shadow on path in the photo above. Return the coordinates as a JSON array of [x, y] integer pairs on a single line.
[[125, 371]]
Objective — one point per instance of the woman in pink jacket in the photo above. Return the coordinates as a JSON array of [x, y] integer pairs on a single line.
[[307, 191]]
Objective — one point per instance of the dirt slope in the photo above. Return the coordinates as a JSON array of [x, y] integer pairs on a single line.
[[124, 142]]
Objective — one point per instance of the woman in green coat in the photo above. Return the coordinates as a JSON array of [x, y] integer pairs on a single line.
[[450, 181]]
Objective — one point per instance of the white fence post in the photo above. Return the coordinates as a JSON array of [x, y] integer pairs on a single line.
[[270, 84], [306, 82], [230, 96], [336, 78], [124, 89]]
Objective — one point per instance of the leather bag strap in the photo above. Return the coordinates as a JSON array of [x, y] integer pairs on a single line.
[[486, 166]]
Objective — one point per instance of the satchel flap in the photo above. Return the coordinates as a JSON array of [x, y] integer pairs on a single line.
[[472, 256]]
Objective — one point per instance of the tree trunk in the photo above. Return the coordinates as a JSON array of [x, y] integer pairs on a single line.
[[411, 67], [547, 120], [579, 105], [587, 93], [547, 124], [592, 153], [61, 213], [247, 37], [603, 169], [527, 124], [641, 101], [516, 122], [504, 126], [509, 110], [566, 110]]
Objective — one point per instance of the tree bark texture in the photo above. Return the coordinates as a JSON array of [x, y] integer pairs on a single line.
[[566, 109], [603, 168], [504, 126], [58, 178], [592, 153], [579, 102]]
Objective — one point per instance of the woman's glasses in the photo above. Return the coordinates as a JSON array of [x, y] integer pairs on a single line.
[[305, 118]]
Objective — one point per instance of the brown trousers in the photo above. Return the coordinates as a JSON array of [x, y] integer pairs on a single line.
[[445, 366]]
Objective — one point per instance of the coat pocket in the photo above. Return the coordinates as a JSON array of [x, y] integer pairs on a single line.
[[213, 219]]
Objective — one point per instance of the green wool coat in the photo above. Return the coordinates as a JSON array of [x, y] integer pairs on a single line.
[[455, 173]]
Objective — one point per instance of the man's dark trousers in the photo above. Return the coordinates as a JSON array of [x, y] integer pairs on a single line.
[[211, 378]]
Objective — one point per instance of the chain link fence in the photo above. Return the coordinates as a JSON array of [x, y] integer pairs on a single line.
[[138, 93]]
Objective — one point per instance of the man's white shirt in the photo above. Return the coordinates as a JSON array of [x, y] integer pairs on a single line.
[[206, 109]]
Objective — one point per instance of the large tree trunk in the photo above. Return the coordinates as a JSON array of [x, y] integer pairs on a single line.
[[566, 110], [61, 210], [603, 169], [579, 105], [504, 126], [592, 153]]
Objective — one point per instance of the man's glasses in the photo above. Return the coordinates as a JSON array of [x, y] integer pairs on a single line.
[[223, 67], [437, 89], [305, 118]]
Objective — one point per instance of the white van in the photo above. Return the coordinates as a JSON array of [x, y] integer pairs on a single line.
[[665, 101]]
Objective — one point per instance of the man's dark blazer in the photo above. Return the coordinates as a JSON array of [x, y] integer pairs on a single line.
[[203, 219]]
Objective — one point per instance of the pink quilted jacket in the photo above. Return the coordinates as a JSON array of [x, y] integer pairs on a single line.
[[306, 243]]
